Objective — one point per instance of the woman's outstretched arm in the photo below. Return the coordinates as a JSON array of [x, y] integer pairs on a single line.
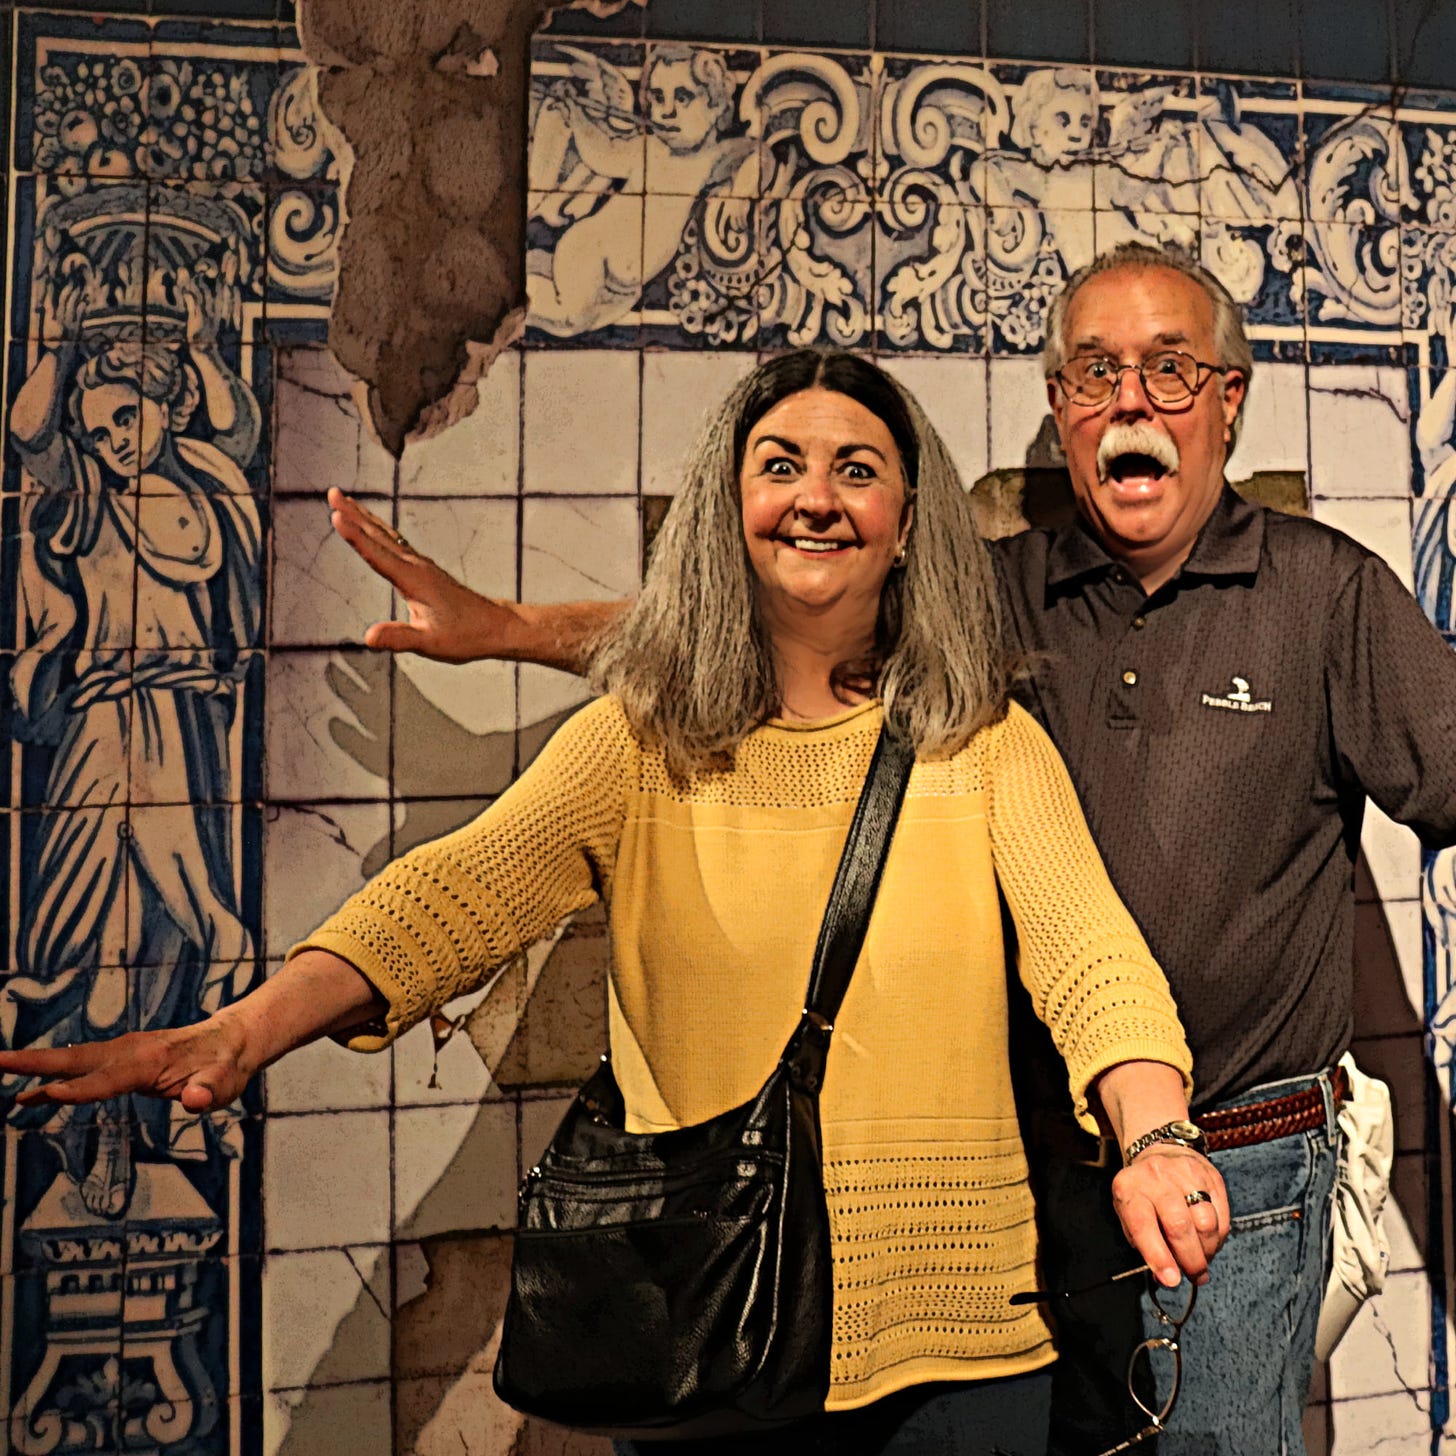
[[208, 1064]]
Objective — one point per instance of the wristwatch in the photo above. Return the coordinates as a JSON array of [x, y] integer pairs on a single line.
[[1189, 1134]]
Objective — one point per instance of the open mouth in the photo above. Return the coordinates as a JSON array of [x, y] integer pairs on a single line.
[[814, 546], [1134, 466]]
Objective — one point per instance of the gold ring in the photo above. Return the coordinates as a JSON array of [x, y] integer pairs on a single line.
[[401, 542], [1197, 1196]]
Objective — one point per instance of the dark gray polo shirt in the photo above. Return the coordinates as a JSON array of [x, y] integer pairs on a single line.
[[1224, 733]]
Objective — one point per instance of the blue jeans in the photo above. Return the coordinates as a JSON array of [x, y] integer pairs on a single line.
[[1248, 1349]]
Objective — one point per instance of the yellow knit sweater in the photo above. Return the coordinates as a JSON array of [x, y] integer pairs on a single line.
[[716, 890]]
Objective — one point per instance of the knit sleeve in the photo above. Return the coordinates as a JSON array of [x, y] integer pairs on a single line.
[[438, 920], [1090, 973]]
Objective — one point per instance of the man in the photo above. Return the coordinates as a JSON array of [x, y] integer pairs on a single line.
[[1227, 686]]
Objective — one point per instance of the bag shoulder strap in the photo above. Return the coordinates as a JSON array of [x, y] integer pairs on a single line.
[[852, 898]]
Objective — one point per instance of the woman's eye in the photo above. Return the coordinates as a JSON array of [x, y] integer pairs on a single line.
[[780, 466], [857, 470]]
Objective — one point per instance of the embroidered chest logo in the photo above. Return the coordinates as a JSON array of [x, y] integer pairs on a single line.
[[1241, 700]]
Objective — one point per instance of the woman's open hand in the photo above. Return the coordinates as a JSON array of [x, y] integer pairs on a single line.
[[1174, 1236], [201, 1066]]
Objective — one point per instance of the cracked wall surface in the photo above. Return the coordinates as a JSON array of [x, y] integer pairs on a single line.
[[431, 96]]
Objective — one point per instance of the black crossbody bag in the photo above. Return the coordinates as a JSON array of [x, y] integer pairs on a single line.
[[678, 1284]]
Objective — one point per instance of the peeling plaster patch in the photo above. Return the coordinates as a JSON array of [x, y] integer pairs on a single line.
[[432, 99]]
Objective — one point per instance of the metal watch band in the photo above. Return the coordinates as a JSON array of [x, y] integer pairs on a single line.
[[1181, 1131]]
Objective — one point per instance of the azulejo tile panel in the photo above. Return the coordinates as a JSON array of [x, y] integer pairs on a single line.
[[174, 216]]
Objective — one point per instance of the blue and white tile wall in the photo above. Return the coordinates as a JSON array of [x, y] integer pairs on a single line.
[[200, 761]]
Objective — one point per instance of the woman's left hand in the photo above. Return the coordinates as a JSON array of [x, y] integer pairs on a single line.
[[1175, 1236]]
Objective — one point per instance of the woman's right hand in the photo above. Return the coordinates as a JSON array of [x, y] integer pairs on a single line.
[[202, 1066], [446, 620]]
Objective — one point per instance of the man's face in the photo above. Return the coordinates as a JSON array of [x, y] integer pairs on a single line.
[[1145, 512], [678, 106]]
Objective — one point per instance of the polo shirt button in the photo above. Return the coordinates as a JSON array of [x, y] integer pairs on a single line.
[[1140, 623], [1130, 678]]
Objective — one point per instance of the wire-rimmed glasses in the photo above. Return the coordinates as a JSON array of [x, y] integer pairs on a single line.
[[1172, 1318], [1172, 1322], [1169, 377]]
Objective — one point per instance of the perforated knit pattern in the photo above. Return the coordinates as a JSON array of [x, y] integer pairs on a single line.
[[716, 889]]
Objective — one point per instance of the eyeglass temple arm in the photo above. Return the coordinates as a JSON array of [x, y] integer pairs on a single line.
[[1045, 1296]]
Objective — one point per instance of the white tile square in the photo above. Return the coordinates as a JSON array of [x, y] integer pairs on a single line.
[[1274, 431], [1382, 526], [313, 859], [338, 1420], [1359, 431], [1386, 1349], [572, 550], [325, 1319], [1020, 413], [582, 409], [328, 729], [454, 1168], [1392, 1425], [320, 435], [324, 594], [1388, 967], [328, 1180], [326, 1077], [1392, 853], [679, 393], [425, 1077], [478, 455], [953, 393], [476, 542]]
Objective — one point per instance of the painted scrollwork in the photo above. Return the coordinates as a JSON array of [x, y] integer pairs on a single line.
[[1356, 196]]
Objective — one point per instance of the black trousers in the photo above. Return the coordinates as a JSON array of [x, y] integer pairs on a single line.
[[1006, 1417]]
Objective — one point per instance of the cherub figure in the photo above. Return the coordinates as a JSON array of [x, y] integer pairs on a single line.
[[1441, 913], [586, 140], [141, 580], [1435, 432]]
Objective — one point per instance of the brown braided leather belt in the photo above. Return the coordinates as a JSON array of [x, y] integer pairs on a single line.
[[1262, 1122], [1234, 1127]]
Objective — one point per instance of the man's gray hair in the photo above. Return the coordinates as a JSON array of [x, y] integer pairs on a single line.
[[1230, 342]]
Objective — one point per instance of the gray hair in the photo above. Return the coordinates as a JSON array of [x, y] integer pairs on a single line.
[[1230, 341], [691, 661]]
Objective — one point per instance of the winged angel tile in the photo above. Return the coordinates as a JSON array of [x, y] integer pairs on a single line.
[[1045, 158]]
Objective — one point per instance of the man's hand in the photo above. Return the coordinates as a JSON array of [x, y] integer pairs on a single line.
[[1151, 1198], [446, 620], [202, 1066], [450, 623]]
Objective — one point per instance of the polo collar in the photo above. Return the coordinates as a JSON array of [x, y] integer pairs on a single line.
[[1230, 544]]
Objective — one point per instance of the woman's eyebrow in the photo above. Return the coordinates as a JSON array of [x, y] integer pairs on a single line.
[[780, 442], [847, 450]]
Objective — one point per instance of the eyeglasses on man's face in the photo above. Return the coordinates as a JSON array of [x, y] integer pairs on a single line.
[[1169, 377], [1156, 1364]]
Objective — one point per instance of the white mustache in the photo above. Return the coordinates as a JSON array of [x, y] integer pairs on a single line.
[[1139, 438]]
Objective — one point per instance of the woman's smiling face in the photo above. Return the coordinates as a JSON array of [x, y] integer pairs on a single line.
[[825, 508]]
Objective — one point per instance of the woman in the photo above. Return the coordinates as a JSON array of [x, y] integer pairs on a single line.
[[818, 572]]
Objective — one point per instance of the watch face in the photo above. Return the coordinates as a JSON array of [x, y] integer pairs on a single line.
[[1188, 1130]]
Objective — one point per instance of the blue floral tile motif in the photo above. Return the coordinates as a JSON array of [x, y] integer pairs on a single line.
[[176, 183]]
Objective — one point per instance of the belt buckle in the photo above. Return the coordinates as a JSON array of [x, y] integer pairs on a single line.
[[1104, 1153]]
